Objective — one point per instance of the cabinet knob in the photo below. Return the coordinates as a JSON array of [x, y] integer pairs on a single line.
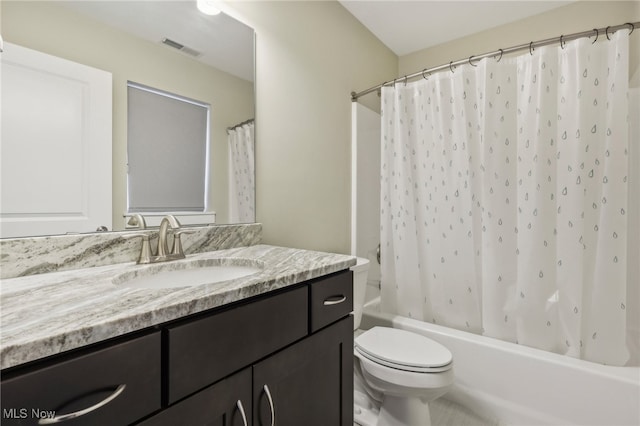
[[79, 413]]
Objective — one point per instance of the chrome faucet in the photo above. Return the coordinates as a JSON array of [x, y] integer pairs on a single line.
[[163, 249], [163, 254]]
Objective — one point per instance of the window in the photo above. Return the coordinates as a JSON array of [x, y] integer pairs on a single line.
[[167, 152]]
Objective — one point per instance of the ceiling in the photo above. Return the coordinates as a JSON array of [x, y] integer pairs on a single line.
[[408, 26]]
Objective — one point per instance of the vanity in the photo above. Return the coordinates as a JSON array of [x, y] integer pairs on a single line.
[[270, 348]]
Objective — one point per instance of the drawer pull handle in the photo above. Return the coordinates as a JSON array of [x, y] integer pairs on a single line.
[[79, 413], [334, 300], [273, 413], [241, 409]]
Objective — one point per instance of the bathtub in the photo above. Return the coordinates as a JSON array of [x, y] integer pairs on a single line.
[[511, 384]]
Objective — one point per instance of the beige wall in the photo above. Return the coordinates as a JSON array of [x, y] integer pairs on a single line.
[[310, 56], [575, 17], [50, 28]]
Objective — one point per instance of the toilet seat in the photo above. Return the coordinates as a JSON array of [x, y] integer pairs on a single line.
[[403, 350]]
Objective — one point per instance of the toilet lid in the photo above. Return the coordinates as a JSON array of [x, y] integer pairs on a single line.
[[403, 350]]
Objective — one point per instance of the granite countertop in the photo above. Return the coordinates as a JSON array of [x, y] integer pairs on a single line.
[[42, 315]]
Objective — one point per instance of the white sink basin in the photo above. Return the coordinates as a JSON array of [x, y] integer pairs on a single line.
[[188, 274]]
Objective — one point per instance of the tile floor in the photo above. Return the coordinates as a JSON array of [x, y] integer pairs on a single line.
[[447, 413]]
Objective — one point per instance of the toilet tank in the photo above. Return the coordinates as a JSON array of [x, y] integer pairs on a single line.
[[360, 271]]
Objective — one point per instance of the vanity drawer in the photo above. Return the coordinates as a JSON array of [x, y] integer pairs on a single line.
[[117, 384], [331, 298], [205, 350]]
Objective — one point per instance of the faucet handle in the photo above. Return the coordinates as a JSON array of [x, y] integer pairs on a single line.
[[137, 219], [177, 242], [145, 250]]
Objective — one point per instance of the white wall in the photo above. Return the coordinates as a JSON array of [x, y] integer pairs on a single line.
[[365, 208]]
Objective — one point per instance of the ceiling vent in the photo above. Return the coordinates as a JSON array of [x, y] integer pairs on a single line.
[[181, 47]]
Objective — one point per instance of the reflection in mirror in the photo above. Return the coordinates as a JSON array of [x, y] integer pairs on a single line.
[[165, 176], [167, 45], [242, 172]]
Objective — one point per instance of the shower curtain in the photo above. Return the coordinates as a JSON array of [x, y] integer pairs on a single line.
[[241, 174], [504, 198]]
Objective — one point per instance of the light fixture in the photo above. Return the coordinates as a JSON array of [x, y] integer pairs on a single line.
[[208, 7]]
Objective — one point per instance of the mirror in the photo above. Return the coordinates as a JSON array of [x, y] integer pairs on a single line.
[[206, 58]]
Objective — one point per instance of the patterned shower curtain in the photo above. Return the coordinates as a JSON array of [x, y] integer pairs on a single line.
[[504, 198], [242, 174]]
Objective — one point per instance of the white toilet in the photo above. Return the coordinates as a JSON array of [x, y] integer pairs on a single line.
[[397, 372]]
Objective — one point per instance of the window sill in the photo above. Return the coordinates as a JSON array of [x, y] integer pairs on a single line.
[[185, 218]]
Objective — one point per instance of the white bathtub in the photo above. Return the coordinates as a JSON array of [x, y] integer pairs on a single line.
[[516, 385]]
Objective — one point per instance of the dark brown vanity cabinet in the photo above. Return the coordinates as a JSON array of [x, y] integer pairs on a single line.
[[282, 358], [225, 403], [205, 350], [115, 384], [309, 383]]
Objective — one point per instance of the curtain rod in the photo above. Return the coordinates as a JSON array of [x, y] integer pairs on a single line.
[[240, 124], [498, 53]]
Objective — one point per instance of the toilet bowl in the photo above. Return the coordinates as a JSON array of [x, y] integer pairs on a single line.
[[397, 372]]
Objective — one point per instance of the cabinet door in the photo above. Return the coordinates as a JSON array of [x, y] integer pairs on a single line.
[[309, 383], [226, 403]]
